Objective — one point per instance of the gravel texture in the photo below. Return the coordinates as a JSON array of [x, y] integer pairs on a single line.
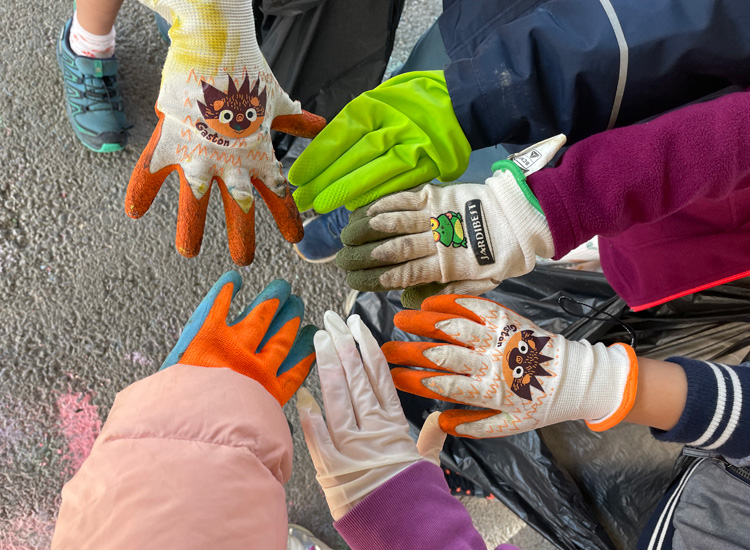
[[90, 300]]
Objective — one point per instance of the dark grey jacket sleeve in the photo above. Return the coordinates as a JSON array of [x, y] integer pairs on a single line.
[[522, 71]]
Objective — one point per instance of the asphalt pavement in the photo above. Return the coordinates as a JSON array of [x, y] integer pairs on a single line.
[[91, 300]]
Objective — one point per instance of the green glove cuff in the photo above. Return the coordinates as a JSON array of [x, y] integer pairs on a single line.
[[513, 168]]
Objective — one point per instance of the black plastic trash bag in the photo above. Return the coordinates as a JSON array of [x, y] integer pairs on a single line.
[[578, 488], [324, 53]]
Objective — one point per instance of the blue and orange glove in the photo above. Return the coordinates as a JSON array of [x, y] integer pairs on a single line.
[[264, 342]]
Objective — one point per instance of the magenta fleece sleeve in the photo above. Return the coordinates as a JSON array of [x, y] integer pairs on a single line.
[[669, 200], [412, 511], [612, 181]]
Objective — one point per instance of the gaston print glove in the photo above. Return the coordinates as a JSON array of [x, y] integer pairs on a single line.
[[217, 103], [264, 342], [461, 238], [522, 376], [395, 137]]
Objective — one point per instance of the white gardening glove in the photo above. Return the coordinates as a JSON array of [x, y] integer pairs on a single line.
[[216, 105], [365, 440], [462, 238], [522, 376]]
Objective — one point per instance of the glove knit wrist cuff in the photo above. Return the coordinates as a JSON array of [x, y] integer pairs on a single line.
[[628, 394], [530, 225]]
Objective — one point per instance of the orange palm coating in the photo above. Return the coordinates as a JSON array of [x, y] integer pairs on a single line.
[[417, 382], [218, 345], [240, 227], [411, 354], [446, 303], [305, 125], [422, 323], [191, 219], [451, 419], [284, 211], [144, 185]]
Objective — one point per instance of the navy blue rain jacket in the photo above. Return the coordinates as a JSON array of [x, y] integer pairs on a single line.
[[524, 70]]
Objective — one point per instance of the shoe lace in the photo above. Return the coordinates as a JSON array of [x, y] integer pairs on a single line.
[[103, 91], [337, 220]]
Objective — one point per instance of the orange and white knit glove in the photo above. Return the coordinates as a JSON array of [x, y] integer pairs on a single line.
[[522, 376], [218, 102]]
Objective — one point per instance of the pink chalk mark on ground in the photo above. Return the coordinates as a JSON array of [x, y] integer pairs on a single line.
[[80, 424], [32, 532], [140, 359]]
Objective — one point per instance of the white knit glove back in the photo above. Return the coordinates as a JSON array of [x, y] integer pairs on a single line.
[[460, 238]]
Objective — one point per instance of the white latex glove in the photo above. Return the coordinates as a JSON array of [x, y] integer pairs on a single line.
[[365, 441]]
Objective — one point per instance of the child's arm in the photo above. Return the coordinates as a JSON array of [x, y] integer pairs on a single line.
[[196, 456], [662, 391], [413, 510], [699, 403], [383, 490], [612, 181]]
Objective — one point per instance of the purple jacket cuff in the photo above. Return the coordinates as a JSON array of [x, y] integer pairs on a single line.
[[412, 511]]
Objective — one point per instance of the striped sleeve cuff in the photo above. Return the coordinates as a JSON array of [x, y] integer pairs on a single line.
[[717, 411]]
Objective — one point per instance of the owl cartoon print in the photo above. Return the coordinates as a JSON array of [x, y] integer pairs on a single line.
[[522, 363], [234, 113]]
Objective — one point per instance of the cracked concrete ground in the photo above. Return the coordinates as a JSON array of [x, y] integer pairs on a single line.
[[91, 301]]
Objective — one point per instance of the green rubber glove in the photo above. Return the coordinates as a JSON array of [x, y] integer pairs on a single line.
[[395, 137]]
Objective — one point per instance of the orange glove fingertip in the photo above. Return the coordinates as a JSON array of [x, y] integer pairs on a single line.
[[240, 227], [411, 354], [305, 125], [447, 303], [413, 381], [422, 323]]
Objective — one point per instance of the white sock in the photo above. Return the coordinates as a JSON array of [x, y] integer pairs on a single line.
[[84, 43]]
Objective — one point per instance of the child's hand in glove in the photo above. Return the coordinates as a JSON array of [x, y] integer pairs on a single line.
[[522, 376], [395, 137], [442, 239], [264, 342], [217, 104], [364, 440]]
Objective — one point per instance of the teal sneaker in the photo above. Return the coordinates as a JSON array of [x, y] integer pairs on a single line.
[[163, 27], [92, 95]]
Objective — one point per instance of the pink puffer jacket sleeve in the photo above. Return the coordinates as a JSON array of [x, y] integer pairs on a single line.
[[189, 458]]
